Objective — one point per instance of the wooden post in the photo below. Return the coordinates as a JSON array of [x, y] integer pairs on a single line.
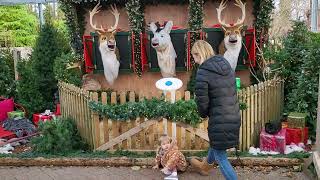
[[95, 123], [16, 57], [241, 125], [105, 121], [248, 115]]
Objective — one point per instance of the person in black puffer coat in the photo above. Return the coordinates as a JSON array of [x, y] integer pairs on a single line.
[[216, 98]]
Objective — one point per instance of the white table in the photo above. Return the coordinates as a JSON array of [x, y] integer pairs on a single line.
[[170, 85]]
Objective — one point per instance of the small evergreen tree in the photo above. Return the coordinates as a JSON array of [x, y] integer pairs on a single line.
[[37, 84], [20, 23], [27, 93]]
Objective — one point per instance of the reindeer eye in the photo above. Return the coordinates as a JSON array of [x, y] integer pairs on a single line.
[[228, 33], [161, 35]]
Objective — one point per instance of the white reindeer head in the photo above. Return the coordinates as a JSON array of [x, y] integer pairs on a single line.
[[107, 44], [166, 54], [161, 39], [232, 31], [106, 37]]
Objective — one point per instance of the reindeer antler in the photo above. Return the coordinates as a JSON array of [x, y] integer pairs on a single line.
[[242, 6], [94, 11], [116, 14], [223, 5]]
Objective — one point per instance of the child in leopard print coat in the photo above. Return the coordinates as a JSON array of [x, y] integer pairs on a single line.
[[169, 157]]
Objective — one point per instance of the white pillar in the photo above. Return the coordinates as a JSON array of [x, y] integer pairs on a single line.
[[314, 16], [41, 18]]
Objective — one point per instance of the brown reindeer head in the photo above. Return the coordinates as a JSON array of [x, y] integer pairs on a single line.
[[232, 31], [106, 36]]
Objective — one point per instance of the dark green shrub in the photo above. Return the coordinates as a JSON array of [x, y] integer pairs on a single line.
[[7, 80], [72, 76], [58, 136], [297, 61]]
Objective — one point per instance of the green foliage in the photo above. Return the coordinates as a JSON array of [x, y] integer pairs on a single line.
[[262, 10], [7, 79], [58, 136], [298, 63], [62, 73], [136, 19], [21, 23], [37, 83], [27, 92], [195, 15], [74, 27], [183, 111], [130, 154], [195, 24], [192, 81], [59, 24]]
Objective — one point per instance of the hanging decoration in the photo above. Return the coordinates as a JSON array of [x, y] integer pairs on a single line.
[[262, 10], [195, 26], [74, 18], [136, 19]]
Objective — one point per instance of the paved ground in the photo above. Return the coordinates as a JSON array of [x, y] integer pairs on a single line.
[[126, 173]]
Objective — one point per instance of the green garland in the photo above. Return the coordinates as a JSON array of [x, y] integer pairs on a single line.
[[136, 19], [182, 111], [262, 10], [195, 25], [195, 15], [75, 29]]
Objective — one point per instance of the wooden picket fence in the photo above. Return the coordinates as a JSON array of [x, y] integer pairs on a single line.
[[264, 103]]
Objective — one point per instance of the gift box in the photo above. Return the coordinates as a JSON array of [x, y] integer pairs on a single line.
[[39, 117], [276, 142], [297, 120], [14, 114], [296, 135], [58, 112], [284, 125]]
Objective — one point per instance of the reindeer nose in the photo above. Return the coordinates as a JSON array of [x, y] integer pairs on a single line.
[[111, 41], [233, 36]]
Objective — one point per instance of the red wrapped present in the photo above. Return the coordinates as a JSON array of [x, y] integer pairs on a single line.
[[57, 113], [39, 117], [296, 135], [270, 142]]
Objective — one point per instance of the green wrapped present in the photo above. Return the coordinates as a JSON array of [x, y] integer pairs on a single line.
[[14, 114], [238, 83], [297, 120]]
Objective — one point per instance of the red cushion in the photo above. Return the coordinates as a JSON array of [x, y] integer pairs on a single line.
[[5, 107], [6, 134]]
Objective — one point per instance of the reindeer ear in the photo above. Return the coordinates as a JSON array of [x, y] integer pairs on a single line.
[[152, 27], [168, 26]]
